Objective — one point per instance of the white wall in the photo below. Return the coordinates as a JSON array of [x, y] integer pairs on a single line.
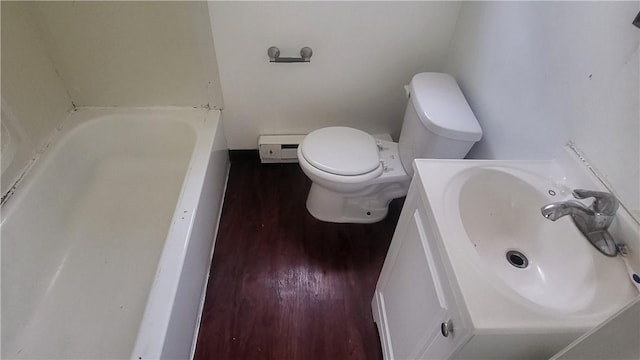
[[363, 54], [133, 53], [539, 74], [34, 99]]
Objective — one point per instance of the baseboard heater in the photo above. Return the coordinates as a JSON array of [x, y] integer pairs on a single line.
[[279, 148]]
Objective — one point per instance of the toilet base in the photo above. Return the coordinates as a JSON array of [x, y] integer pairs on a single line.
[[368, 206]]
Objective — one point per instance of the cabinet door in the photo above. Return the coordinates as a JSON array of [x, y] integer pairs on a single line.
[[410, 290], [442, 343]]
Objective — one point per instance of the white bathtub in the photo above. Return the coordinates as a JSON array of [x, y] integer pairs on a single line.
[[106, 244]]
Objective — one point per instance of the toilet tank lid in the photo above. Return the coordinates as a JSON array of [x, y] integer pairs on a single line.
[[442, 107]]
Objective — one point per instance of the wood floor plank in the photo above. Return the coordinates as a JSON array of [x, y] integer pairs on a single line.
[[284, 285]]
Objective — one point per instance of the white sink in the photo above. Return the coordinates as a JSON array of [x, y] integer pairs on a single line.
[[488, 217], [500, 211]]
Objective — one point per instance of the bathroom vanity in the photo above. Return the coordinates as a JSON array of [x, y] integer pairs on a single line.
[[475, 271]]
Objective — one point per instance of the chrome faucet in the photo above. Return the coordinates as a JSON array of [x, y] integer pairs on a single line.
[[593, 221]]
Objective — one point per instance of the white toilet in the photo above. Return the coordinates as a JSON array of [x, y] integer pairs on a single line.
[[355, 176]]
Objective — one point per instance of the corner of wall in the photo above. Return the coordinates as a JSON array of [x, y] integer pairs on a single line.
[[34, 99]]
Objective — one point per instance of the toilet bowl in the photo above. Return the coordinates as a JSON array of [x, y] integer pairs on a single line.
[[355, 179], [356, 175]]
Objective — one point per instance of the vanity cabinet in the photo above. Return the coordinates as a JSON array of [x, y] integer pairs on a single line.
[[419, 312], [414, 306], [449, 289]]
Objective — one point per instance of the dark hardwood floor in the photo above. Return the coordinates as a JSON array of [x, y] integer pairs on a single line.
[[284, 285]]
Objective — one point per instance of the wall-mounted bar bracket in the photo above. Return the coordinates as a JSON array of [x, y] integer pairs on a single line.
[[274, 55]]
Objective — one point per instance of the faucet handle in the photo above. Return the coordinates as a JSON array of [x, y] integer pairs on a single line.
[[605, 203]]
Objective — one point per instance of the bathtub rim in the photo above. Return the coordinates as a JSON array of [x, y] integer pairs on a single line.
[[151, 340]]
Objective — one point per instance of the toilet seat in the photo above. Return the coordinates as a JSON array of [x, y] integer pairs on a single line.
[[341, 151]]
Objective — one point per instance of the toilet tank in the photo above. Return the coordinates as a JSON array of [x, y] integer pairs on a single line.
[[438, 122]]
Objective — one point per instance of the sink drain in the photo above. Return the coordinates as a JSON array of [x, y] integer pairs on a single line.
[[517, 259]]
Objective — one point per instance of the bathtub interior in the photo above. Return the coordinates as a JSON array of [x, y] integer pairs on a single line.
[[77, 266]]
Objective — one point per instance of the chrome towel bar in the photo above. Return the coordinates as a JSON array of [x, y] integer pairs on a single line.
[[274, 55]]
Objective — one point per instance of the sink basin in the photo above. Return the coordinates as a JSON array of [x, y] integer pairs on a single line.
[[516, 270], [550, 264]]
